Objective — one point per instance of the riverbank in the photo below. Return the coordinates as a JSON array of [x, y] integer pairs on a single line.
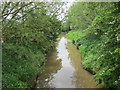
[[87, 44]]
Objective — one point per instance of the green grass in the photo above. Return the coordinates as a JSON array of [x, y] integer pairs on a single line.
[[75, 34]]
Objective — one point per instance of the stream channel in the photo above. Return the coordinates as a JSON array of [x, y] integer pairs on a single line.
[[63, 68]]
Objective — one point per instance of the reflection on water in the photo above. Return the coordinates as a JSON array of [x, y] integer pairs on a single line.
[[63, 78], [64, 70], [52, 66]]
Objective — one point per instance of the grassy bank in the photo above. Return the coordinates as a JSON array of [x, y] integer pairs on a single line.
[[93, 58], [96, 32]]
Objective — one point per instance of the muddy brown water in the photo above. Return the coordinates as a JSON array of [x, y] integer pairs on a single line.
[[63, 68]]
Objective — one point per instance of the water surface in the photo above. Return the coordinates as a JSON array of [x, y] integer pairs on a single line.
[[63, 69]]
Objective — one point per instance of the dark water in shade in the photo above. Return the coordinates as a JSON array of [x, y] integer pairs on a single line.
[[63, 69]]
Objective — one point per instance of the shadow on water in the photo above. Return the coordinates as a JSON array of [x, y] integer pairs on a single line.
[[51, 67], [63, 69]]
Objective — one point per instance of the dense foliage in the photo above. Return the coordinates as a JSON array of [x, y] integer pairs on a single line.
[[29, 31], [96, 32]]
